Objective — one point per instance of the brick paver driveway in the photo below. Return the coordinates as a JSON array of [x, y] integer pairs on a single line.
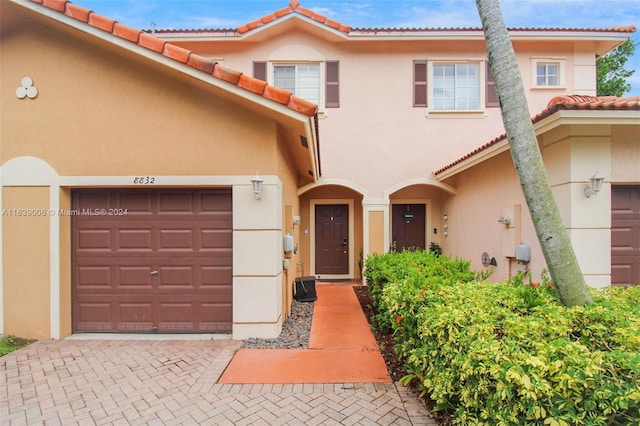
[[173, 382]]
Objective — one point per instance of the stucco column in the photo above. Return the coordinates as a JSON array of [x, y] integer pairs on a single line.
[[257, 260], [572, 155], [375, 224]]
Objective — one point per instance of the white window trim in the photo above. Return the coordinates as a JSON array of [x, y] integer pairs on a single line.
[[322, 83], [538, 60], [448, 113]]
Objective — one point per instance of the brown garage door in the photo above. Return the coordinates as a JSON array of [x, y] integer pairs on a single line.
[[625, 235], [152, 260]]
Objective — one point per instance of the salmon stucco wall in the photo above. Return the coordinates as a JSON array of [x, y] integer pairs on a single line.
[[99, 113], [25, 249], [485, 192], [625, 154]]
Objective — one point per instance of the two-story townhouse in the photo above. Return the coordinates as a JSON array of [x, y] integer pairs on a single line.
[[128, 163], [396, 104]]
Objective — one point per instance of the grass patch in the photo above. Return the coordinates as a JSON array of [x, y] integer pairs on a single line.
[[13, 343]]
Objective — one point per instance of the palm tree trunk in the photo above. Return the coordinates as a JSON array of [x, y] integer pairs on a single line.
[[525, 152]]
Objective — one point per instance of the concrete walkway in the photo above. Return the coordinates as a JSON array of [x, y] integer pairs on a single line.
[[175, 382], [341, 348]]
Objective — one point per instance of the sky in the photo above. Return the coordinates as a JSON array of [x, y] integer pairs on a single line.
[[192, 14]]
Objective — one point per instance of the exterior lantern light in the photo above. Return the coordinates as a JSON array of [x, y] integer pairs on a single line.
[[256, 181], [595, 186]]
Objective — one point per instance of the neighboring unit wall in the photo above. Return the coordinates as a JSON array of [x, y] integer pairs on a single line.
[[100, 120], [487, 192]]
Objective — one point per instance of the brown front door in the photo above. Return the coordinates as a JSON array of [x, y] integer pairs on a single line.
[[332, 239], [408, 226], [152, 260], [625, 235]]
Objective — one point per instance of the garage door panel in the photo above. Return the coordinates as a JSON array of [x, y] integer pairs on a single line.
[[93, 239], [134, 239], [215, 275], [177, 239], [170, 277], [134, 202], [166, 265], [215, 203], [215, 238], [131, 276], [93, 276], [176, 202]]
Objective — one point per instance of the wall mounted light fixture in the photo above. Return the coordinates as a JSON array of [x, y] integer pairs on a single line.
[[595, 186], [256, 181]]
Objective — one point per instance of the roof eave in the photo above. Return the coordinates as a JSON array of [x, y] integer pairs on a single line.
[[279, 112], [546, 124]]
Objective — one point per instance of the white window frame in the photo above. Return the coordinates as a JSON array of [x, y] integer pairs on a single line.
[[547, 60], [271, 65], [482, 84]]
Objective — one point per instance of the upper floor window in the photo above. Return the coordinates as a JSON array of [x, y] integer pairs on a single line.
[[547, 72], [453, 85], [304, 80], [456, 86]]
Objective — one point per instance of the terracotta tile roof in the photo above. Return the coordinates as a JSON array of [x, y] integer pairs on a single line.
[[180, 54], [567, 102], [295, 7]]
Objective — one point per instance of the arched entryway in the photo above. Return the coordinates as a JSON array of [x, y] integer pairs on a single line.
[[332, 240]]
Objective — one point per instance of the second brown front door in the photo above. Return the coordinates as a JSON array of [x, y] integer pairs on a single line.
[[408, 226], [332, 239]]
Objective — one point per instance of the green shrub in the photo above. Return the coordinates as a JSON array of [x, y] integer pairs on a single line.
[[509, 353], [415, 270]]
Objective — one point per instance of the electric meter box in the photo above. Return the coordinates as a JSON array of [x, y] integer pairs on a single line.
[[523, 253]]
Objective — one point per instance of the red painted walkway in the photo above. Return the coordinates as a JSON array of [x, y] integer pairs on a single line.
[[342, 348]]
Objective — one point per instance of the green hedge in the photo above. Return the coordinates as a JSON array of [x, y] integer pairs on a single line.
[[510, 353]]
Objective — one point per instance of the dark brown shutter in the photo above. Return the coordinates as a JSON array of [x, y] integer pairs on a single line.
[[420, 83], [260, 70], [332, 91], [491, 97]]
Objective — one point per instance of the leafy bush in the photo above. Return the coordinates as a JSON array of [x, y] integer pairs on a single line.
[[510, 353], [416, 270]]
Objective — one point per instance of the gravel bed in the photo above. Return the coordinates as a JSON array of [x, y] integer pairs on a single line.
[[295, 330]]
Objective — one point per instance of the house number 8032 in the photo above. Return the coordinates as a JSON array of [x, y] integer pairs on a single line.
[[144, 180]]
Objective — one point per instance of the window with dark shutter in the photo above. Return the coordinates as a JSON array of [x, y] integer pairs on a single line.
[[260, 70], [420, 83], [491, 96], [332, 84]]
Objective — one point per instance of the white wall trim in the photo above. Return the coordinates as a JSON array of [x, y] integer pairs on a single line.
[[54, 262], [312, 248], [338, 182], [430, 181]]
